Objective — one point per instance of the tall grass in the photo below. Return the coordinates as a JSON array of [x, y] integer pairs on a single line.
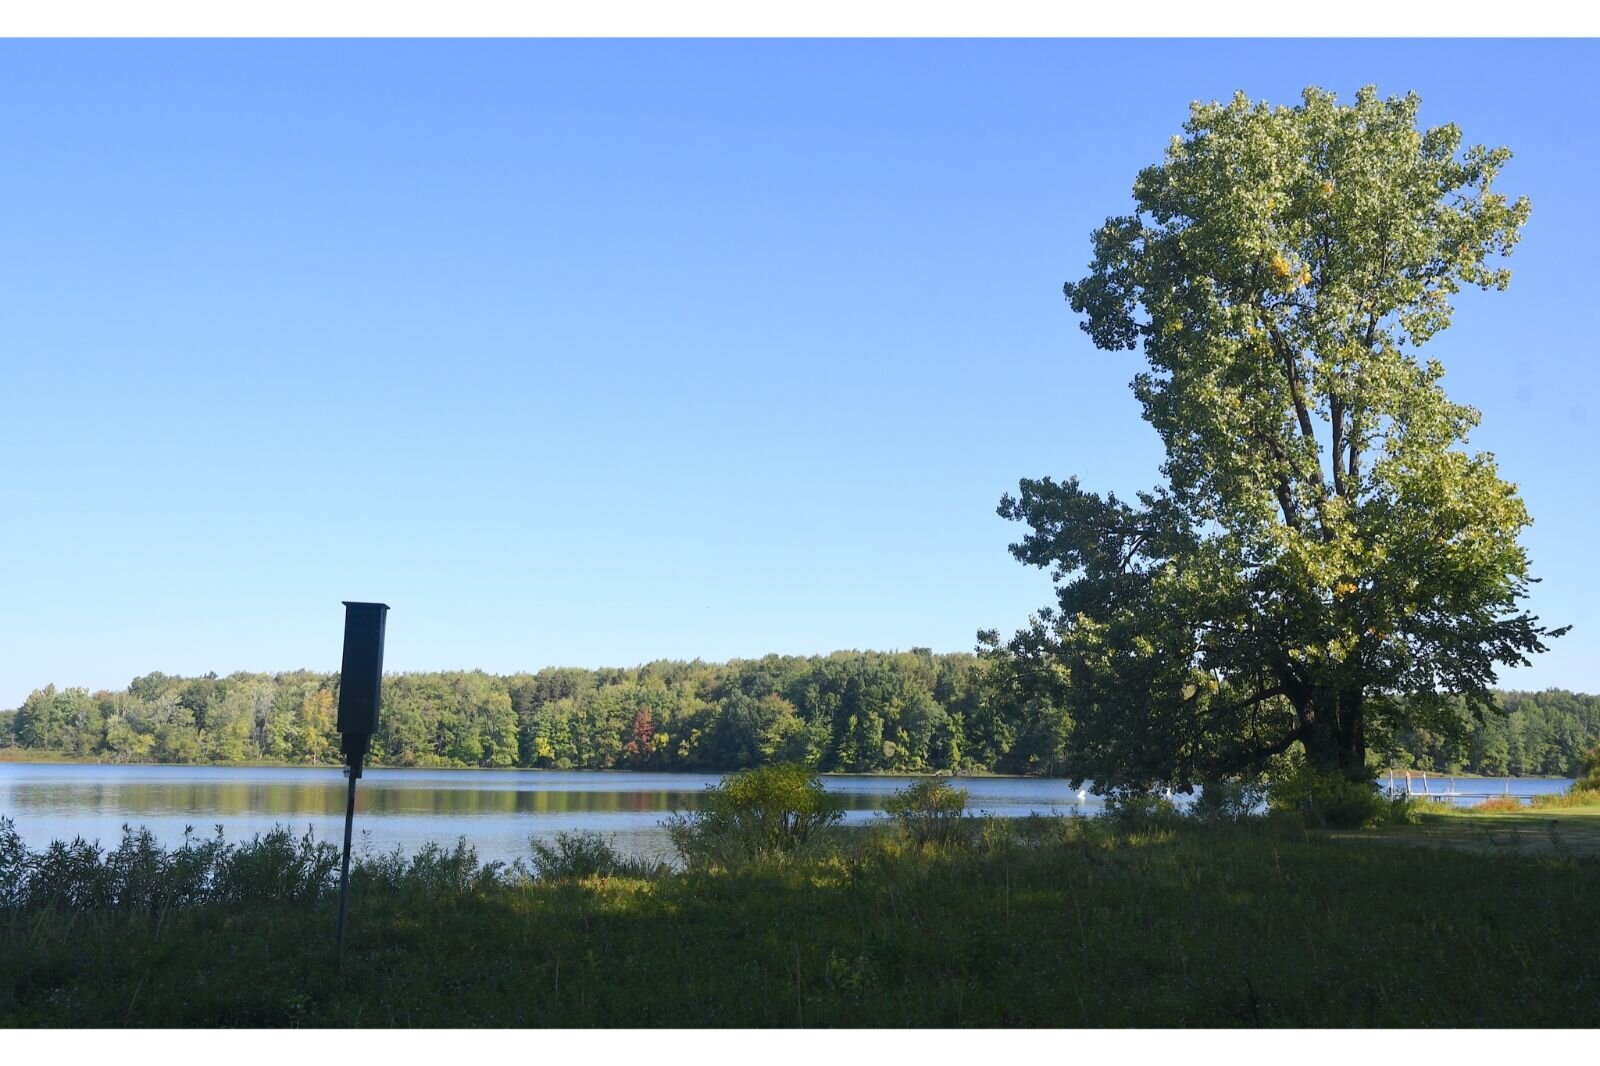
[[1575, 797], [1038, 921], [138, 874]]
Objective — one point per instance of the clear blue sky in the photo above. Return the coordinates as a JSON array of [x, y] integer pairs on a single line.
[[592, 353]]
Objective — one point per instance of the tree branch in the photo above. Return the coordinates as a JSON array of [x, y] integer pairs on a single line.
[[1291, 370], [1336, 413]]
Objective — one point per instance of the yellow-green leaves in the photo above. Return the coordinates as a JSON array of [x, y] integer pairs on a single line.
[[1323, 537]]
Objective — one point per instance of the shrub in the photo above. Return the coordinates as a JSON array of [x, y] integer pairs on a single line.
[[434, 870], [929, 810], [575, 856], [752, 815], [275, 866], [1397, 808], [69, 876], [1328, 801], [13, 866], [1140, 812], [1229, 800]]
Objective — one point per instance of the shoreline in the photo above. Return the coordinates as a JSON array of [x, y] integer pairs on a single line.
[[8, 757]]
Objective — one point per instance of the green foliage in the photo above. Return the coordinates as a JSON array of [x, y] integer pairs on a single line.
[[1229, 800], [863, 711], [433, 871], [753, 815], [1536, 733], [14, 862], [1574, 797], [1327, 800], [1139, 812], [1062, 922], [1589, 771], [140, 875], [1326, 561], [1000, 713], [575, 856], [930, 811]]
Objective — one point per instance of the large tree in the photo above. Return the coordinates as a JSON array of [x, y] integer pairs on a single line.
[[1326, 562]]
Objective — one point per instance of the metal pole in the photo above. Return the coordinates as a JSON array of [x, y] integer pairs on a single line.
[[344, 872]]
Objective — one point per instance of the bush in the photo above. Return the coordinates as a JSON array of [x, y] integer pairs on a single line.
[[1329, 801], [13, 866], [434, 871], [1229, 800], [1397, 808], [753, 815], [275, 866], [69, 876], [1140, 812], [575, 856], [930, 810]]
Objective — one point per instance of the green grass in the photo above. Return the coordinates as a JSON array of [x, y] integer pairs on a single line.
[[1042, 922], [1545, 831]]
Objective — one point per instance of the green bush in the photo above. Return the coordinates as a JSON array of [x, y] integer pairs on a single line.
[[277, 866], [753, 815], [434, 871], [13, 866], [140, 875], [575, 856], [1330, 801], [1401, 809], [1229, 800], [1140, 812], [929, 810]]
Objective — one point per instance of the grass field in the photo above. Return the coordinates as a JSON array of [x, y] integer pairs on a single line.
[[1464, 920], [1572, 832]]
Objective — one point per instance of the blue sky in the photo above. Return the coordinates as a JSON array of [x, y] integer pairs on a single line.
[[591, 353]]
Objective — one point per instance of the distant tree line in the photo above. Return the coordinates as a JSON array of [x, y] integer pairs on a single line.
[[1542, 733], [850, 711], [862, 712]]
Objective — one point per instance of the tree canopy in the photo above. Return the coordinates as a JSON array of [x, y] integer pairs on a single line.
[[1326, 564]]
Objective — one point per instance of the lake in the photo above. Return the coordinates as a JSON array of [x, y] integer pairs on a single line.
[[498, 811]]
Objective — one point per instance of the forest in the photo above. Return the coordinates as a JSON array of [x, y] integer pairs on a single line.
[[848, 712]]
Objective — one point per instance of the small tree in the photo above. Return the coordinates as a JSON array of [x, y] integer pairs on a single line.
[[930, 810], [754, 814]]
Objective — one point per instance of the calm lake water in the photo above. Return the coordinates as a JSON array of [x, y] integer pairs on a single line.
[[497, 811]]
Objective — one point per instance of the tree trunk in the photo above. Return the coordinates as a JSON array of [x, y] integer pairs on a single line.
[[1353, 734], [1333, 731]]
